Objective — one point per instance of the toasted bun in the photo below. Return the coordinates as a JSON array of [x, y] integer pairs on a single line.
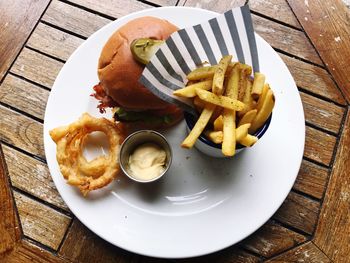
[[119, 72]]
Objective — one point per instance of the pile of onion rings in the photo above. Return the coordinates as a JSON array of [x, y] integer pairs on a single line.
[[87, 175]]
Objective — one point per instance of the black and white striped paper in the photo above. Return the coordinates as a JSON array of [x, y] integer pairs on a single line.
[[230, 33]]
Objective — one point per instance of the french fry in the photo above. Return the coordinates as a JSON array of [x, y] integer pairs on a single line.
[[218, 123], [190, 91], [247, 98], [198, 103], [230, 66], [214, 136], [202, 73], [232, 85], [234, 104], [264, 113], [199, 126], [242, 131], [245, 71], [262, 96], [258, 84], [207, 72], [217, 112], [249, 140], [246, 68], [219, 76], [248, 117], [229, 116], [229, 128], [222, 101]]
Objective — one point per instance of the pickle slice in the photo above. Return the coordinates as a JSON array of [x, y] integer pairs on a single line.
[[143, 49]]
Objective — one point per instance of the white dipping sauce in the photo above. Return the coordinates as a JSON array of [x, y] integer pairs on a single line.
[[147, 161]]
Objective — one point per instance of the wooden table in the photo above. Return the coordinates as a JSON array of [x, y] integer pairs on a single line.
[[312, 37]]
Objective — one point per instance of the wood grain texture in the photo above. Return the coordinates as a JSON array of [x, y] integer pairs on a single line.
[[327, 24], [313, 79], [27, 252], [74, 19], [319, 146], [81, 245], [276, 9], [37, 67], [213, 5], [9, 231], [40, 222], [115, 8], [19, 16], [163, 2], [323, 114], [285, 38], [271, 239], [53, 42], [24, 96], [299, 212], [21, 131], [333, 231], [307, 252], [312, 179], [232, 254], [32, 176]]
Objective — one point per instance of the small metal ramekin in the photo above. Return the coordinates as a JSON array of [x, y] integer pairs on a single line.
[[138, 138]]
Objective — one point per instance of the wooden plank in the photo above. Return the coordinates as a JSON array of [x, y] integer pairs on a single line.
[[53, 42], [37, 67], [21, 131], [313, 79], [271, 239], [163, 2], [17, 21], [81, 245], [24, 96], [307, 252], [323, 114], [299, 212], [327, 24], [312, 179], [233, 254], [9, 231], [276, 9], [319, 146], [113, 7], [213, 5], [74, 19], [27, 252], [285, 38], [333, 230], [32, 176], [41, 223]]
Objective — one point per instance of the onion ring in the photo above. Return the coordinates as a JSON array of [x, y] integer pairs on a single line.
[[87, 175]]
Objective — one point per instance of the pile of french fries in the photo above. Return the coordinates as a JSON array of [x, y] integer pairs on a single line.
[[232, 106]]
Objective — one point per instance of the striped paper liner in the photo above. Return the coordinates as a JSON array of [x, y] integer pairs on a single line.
[[230, 33]]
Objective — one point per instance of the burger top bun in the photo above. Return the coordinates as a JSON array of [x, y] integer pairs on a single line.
[[119, 72]]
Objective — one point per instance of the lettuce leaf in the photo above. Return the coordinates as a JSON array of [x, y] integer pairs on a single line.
[[144, 116]]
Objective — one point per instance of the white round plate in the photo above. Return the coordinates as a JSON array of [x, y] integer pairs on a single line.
[[203, 204]]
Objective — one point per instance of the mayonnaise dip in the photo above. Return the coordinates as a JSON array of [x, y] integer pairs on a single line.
[[147, 161]]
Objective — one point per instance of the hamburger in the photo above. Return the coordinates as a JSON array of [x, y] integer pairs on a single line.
[[119, 72]]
